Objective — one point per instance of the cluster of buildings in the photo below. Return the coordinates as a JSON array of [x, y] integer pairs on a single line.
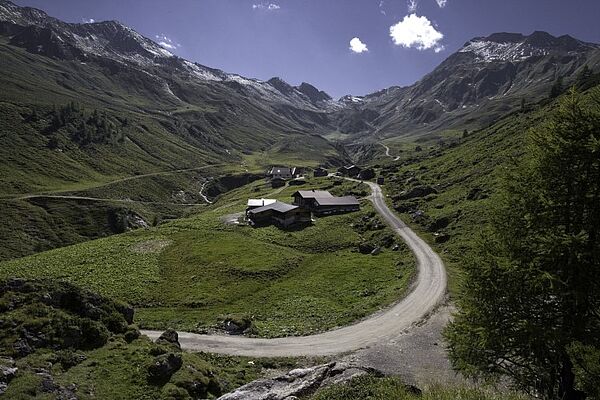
[[306, 203], [278, 176]]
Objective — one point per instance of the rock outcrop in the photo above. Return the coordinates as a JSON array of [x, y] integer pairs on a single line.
[[298, 382]]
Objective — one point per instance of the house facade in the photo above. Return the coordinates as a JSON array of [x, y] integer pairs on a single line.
[[336, 205], [321, 202], [306, 198]]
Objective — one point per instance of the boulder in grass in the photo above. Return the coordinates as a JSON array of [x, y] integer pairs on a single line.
[[169, 336], [163, 367]]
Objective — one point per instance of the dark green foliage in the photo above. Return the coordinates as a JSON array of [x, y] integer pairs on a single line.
[[83, 128], [557, 89], [56, 315], [69, 358], [372, 387], [586, 360], [532, 285], [368, 387]]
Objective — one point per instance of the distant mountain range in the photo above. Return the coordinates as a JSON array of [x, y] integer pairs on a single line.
[[485, 79]]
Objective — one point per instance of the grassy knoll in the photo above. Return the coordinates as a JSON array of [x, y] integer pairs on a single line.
[[40, 224], [193, 272], [392, 388]]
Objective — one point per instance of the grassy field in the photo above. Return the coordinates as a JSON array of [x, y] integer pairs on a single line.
[[392, 388], [194, 272]]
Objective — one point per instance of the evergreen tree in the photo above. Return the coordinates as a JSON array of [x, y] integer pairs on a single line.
[[557, 89], [532, 285], [584, 78]]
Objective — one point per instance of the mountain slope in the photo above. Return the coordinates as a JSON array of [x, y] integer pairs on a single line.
[[84, 105], [201, 114], [487, 78]]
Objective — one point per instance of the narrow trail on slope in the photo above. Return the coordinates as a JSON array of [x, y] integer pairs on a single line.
[[201, 192], [103, 184], [387, 152], [98, 199], [427, 293]]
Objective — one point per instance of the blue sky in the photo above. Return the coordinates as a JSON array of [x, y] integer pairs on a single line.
[[309, 40]]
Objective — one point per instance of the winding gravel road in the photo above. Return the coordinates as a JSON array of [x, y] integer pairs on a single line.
[[387, 152], [427, 293]]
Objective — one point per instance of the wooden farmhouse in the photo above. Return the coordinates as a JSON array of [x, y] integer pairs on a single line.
[[280, 214], [321, 202]]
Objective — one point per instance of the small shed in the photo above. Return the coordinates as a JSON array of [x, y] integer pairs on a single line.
[[350, 170], [320, 172], [367, 174]]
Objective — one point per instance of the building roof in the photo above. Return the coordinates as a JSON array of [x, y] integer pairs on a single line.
[[337, 201], [278, 206], [313, 194], [260, 202], [281, 171]]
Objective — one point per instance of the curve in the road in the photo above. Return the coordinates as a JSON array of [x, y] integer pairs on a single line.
[[428, 291], [387, 152]]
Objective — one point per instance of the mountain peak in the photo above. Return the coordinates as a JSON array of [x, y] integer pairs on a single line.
[[282, 86], [505, 37], [515, 47], [313, 93]]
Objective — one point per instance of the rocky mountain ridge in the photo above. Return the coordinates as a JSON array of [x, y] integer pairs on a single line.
[[485, 79], [41, 34]]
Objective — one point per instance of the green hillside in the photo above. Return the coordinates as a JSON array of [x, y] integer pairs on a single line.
[[196, 272], [84, 129], [444, 190]]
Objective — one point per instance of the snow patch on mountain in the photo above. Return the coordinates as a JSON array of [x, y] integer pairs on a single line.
[[489, 51]]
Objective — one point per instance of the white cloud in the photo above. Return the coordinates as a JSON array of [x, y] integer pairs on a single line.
[[166, 42], [357, 46], [412, 6], [88, 21], [266, 6], [417, 32], [441, 3]]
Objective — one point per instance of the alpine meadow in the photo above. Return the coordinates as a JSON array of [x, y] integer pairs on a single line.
[[422, 221]]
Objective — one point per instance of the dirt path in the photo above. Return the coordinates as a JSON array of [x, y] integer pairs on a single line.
[[42, 196], [201, 193], [387, 152], [386, 326]]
